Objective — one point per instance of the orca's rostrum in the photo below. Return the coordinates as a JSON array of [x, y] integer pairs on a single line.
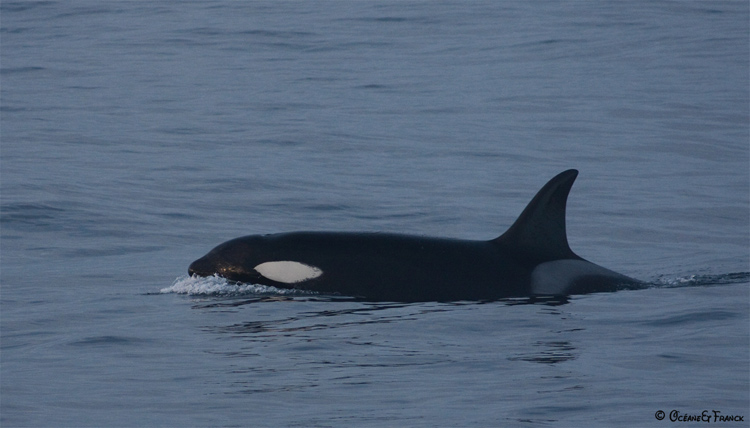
[[531, 258]]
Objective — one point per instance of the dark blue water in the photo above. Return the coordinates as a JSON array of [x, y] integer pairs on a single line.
[[135, 136]]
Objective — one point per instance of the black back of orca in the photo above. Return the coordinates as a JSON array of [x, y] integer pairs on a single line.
[[531, 258]]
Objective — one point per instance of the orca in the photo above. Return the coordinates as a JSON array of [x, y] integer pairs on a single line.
[[532, 258]]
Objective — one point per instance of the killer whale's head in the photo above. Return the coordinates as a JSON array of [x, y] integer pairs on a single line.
[[229, 260], [251, 260]]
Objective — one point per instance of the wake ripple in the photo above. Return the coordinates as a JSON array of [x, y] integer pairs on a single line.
[[702, 280], [218, 286]]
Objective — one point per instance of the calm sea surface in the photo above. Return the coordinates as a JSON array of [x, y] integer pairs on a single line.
[[135, 136]]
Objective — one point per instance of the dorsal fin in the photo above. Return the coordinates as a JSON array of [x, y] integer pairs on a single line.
[[540, 229]]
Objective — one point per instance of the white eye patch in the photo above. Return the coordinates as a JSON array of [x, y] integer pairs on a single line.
[[288, 272]]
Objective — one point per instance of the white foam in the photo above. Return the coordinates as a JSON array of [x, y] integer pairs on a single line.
[[677, 281], [216, 285]]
